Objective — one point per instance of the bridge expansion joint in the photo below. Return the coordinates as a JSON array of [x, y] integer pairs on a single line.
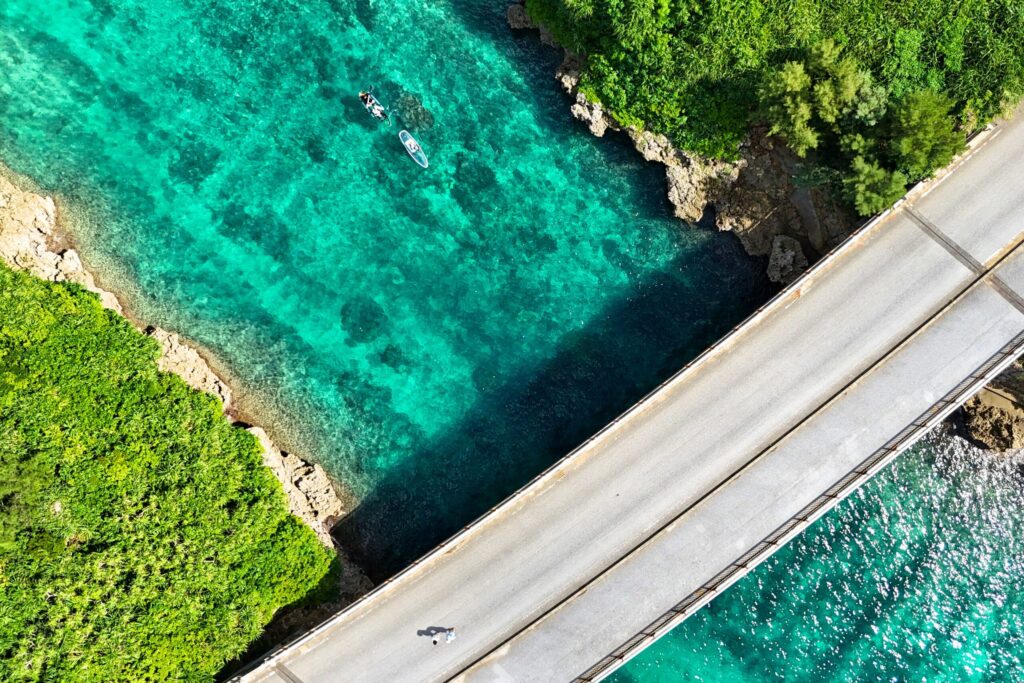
[[945, 241], [283, 671], [1006, 291], [960, 254]]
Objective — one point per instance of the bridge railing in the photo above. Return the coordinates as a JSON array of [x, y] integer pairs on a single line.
[[567, 459], [874, 463], [563, 462], [856, 477]]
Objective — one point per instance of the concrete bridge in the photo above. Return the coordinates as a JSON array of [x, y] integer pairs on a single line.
[[726, 461]]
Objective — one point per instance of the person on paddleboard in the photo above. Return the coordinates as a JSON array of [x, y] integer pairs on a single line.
[[372, 105]]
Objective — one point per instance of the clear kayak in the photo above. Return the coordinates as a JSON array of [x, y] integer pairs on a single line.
[[413, 148], [374, 107]]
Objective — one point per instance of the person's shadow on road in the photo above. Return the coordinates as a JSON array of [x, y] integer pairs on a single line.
[[431, 631]]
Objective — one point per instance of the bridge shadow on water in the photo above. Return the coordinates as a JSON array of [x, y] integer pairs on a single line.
[[520, 427], [524, 423]]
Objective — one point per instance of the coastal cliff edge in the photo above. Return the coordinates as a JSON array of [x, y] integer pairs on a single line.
[[756, 197], [31, 239]]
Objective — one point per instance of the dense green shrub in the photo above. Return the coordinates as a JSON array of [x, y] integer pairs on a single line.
[[788, 96], [923, 133], [828, 93], [828, 100], [140, 536], [702, 70], [872, 188]]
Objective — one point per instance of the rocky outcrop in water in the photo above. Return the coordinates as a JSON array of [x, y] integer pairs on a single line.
[[518, 18], [754, 197], [994, 418], [591, 114], [568, 72], [693, 182], [31, 239], [786, 261]]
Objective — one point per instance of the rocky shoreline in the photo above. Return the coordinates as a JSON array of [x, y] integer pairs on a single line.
[[755, 197], [994, 417], [31, 239]]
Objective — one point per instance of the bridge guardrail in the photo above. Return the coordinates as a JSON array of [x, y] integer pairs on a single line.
[[871, 224], [565, 460], [811, 512]]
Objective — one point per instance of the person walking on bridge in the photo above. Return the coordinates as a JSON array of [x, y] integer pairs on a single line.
[[449, 635]]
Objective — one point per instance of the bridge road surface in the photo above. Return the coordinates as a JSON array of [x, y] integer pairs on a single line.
[[727, 451]]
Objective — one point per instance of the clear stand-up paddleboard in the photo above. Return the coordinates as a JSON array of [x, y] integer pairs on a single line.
[[413, 148], [374, 107]]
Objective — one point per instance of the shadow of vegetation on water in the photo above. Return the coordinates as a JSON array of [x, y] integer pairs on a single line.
[[521, 425], [525, 424]]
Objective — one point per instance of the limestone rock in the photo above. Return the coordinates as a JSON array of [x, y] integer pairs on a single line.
[[598, 121], [694, 183], [591, 114], [995, 424], [184, 361], [547, 37], [995, 417], [685, 193], [757, 208], [311, 495], [656, 147], [568, 72], [70, 264], [787, 260], [29, 240], [518, 18]]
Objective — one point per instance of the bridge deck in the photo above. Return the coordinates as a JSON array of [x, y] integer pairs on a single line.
[[724, 454]]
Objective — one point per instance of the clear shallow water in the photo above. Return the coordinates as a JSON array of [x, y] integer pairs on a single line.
[[436, 337], [916, 577]]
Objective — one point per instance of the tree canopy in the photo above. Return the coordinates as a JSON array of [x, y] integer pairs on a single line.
[[141, 537], [838, 79], [874, 146]]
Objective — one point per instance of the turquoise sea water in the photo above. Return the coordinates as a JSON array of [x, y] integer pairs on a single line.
[[434, 337], [916, 577], [437, 337]]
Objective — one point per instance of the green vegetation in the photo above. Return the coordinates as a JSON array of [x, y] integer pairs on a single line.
[[140, 536], [873, 147], [878, 93]]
